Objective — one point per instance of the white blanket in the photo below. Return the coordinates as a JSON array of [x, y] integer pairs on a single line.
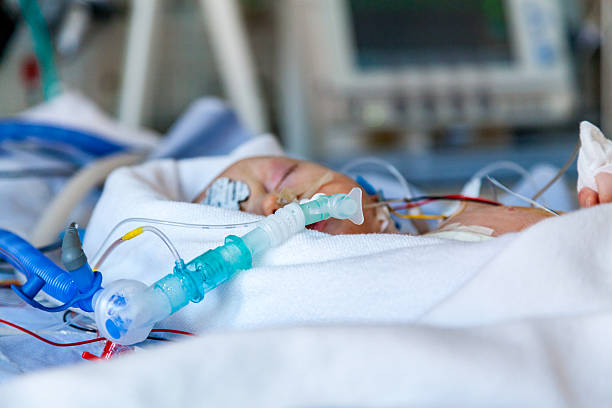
[[521, 320]]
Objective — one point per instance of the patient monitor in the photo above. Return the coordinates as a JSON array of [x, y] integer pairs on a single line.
[[420, 64]]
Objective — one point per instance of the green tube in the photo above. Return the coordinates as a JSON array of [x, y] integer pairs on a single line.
[[42, 47]]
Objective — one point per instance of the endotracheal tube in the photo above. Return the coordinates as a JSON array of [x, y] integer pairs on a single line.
[[126, 310]]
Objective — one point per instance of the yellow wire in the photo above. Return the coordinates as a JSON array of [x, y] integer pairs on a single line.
[[417, 216]]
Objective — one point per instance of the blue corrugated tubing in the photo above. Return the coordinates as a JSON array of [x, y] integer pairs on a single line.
[[86, 141], [30, 261]]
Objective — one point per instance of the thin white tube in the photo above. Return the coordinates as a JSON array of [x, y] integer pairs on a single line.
[[522, 197], [379, 162], [170, 223], [503, 164]]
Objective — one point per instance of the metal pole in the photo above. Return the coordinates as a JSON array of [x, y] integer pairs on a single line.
[[235, 63], [606, 66], [134, 102]]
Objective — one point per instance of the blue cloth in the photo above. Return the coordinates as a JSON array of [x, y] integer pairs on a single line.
[[209, 127]]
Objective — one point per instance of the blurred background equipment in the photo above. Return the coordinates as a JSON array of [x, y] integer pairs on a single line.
[[438, 88], [419, 76]]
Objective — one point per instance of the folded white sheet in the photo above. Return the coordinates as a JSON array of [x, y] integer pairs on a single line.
[[521, 320]]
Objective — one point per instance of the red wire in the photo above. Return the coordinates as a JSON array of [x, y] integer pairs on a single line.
[[172, 331], [79, 343], [413, 205], [446, 197], [478, 199]]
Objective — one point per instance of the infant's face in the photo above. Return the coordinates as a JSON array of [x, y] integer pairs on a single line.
[[267, 176]]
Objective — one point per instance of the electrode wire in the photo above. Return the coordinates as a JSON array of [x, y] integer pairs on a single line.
[[73, 324], [80, 343], [522, 197], [561, 172], [422, 200], [417, 216]]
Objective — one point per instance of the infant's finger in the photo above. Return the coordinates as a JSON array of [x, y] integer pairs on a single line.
[[587, 197], [604, 185]]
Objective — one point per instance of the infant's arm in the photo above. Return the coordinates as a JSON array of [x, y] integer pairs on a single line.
[[594, 167], [588, 197]]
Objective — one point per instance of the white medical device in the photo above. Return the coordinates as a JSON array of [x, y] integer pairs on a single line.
[[417, 65]]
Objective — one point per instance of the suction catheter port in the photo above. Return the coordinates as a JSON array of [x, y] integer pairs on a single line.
[[127, 310]]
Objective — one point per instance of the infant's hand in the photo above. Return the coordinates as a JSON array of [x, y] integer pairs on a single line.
[[588, 197]]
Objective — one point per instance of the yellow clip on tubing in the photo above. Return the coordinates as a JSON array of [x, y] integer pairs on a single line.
[[132, 234]]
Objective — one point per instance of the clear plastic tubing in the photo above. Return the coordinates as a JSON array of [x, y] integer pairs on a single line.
[[170, 223], [126, 310], [134, 233]]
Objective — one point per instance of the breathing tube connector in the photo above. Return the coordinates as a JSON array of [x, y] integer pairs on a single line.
[[74, 287], [127, 310]]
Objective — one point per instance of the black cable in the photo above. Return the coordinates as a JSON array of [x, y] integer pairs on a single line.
[[90, 330], [51, 247]]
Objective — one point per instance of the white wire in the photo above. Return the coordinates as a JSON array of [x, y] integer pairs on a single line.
[[522, 197], [503, 164], [170, 223], [379, 162]]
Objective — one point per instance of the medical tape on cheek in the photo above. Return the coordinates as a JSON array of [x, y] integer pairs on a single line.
[[384, 216], [286, 195], [226, 193], [326, 178]]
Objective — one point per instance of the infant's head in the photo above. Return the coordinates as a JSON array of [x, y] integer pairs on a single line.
[[276, 181]]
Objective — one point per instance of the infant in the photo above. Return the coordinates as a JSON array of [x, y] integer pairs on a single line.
[[275, 181]]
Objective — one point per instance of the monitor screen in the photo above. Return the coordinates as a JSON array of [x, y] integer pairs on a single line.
[[392, 34]]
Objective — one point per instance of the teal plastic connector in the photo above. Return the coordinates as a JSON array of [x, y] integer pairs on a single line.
[[192, 281]]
